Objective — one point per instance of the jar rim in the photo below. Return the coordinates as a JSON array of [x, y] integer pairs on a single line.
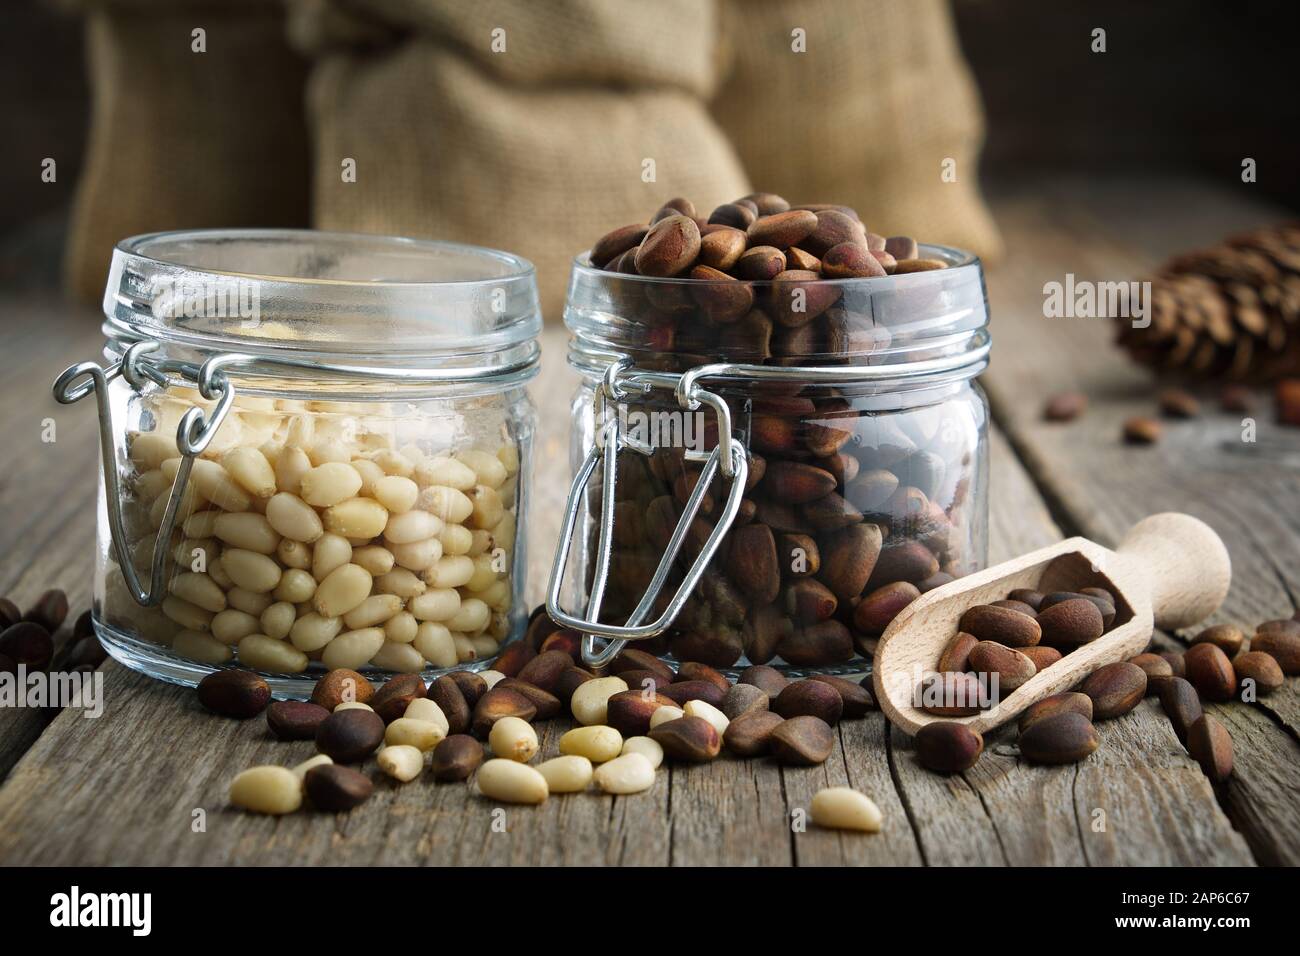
[[340, 297]]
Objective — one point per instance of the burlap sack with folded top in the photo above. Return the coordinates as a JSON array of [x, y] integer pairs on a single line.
[[181, 139], [867, 116], [592, 116]]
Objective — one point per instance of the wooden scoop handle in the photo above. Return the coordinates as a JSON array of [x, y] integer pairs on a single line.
[[1185, 564]]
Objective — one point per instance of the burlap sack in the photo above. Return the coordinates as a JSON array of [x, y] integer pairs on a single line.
[[592, 116], [867, 116], [181, 139]]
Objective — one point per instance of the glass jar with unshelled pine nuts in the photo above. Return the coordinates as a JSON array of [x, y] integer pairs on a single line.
[[799, 443], [315, 453]]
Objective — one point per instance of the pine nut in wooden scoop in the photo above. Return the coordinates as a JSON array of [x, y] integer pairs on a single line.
[[1170, 571]]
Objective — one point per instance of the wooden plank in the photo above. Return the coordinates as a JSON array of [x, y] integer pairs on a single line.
[[1245, 491]]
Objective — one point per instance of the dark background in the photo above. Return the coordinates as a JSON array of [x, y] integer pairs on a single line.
[[1184, 87]]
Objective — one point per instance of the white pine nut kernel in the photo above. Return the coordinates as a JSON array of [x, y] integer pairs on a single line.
[[374, 558], [201, 524], [250, 570], [267, 654], [296, 586], [646, 747], [485, 646], [402, 658], [465, 651], [329, 451], [488, 509], [497, 595], [200, 590], [418, 555], [311, 632], [301, 432], [212, 482], [150, 449], [471, 617], [393, 463], [201, 647], [487, 467], [435, 644], [570, 773], [248, 530], [189, 616], [294, 554], [373, 611], [590, 701], [395, 493], [344, 589], [450, 571], [664, 714], [331, 551], [250, 602], [231, 625], [503, 535], [508, 455], [292, 517], [402, 762], [352, 705], [292, 464], [353, 649], [402, 582], [491, 677], [357, 518], [278, 619], [703, 709], [371, 474], [411, 526], [440, 604], [423, 734], [449, 504], [401, 628], [267, 789], [597, 743], [513, 738], [485, 573], [455, 539], [426, 709], [447, 472], [250, 470], [630, 773], [843, 808], [511, 782]]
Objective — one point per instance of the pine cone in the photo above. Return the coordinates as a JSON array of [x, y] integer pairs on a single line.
[[1231, 311]]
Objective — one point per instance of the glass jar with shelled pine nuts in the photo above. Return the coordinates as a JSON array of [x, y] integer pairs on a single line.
[[315, 453]]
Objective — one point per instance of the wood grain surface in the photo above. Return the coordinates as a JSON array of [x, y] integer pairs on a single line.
[[131, 786]]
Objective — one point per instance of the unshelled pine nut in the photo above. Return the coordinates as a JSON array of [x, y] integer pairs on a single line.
[[425, 708], [329, 483], [267, 789], [491, 677], [514, 739], [647, 748], [664, 714], [201, 647], [597, 743], [435, 644], [568, 774], [352, 649], [401, 762], [267, 654], [843, 808], [590, 702], [294, 518], [343, 590], [319, 760], [630, 773], [511, 782], [701, 708], [422, 734]]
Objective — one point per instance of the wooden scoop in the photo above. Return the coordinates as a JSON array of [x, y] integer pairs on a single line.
[[1170, 571]]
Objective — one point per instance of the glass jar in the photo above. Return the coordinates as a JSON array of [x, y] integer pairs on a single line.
[[315, 452], [854, 480]]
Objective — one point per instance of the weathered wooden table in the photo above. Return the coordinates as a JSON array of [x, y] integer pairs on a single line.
[[123, 788]]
